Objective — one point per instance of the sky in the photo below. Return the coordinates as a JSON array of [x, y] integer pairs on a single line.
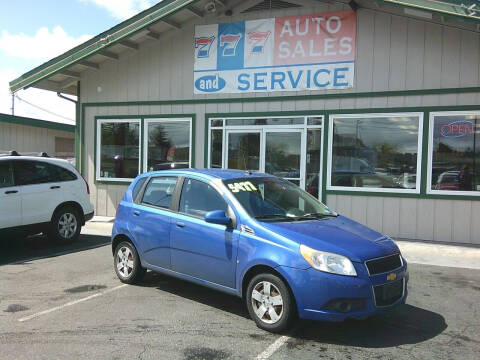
[[34, 31]]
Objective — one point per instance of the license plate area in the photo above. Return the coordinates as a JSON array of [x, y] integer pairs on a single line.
[[387, 294]]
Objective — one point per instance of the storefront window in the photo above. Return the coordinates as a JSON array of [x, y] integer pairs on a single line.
[[168, 144], [314, 152], [216, 149], [118, 149], [265, 121], [455, 146], [376, 151]]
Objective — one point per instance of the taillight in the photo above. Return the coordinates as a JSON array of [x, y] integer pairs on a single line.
[[116, 212], [86, 183]]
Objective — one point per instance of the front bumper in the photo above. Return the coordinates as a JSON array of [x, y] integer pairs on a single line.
[[315, 292]]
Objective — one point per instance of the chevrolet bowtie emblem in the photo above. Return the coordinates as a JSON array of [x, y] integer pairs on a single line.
[[391, 276]]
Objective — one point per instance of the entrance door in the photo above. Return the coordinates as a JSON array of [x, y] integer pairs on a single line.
[[283, 155], [274, 151], [244, 150]]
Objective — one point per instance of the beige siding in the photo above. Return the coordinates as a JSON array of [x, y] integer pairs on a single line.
[[406, 218], [28, 139]]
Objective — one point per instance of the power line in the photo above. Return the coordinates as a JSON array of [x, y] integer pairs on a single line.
[[43, 109]]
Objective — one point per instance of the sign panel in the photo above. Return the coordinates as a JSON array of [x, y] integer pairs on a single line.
[[293, 53]]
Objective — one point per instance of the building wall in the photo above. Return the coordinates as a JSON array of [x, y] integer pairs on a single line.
[[393, 53], [24, 139], [427, 219]]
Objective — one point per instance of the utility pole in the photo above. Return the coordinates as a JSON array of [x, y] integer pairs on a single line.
[[13, 104]]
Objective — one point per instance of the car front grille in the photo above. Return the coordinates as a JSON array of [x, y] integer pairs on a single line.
[[383, 264], [387, 294]]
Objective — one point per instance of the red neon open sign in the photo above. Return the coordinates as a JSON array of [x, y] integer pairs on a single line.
[[457, 129]]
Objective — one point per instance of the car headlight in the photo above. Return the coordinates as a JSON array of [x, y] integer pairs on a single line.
[[328, 262]]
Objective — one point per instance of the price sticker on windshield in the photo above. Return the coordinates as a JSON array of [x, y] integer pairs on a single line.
[[242, 186]]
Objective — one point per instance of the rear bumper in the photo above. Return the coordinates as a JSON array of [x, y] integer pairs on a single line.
[[329, 297], [88, 217]]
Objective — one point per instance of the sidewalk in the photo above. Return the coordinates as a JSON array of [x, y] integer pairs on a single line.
[[416, 252]]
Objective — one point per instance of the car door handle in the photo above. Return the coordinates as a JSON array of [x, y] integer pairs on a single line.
[[11, 192], [136, 213], [180, 224], [55, 187]]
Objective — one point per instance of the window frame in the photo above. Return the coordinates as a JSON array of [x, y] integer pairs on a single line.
[[98, 138], [418, 183], [431, 121], [148, 121]]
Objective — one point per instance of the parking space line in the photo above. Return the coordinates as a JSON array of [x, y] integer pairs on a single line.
[[269, 351], [74, 302]]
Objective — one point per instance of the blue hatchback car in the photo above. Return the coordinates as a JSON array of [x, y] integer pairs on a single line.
[[258, 237]]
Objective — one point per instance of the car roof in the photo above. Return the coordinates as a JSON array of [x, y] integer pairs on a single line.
[[35, 158], [210, 173]]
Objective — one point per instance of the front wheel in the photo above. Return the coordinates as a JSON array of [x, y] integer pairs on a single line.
[[270, 303]]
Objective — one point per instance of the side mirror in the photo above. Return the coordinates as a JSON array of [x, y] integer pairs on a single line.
[[218, 217]]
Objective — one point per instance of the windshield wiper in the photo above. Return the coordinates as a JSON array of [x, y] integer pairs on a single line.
[[274, 216], [315, 216]]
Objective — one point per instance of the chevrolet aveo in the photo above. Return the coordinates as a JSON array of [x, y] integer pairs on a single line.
[[258, 237]]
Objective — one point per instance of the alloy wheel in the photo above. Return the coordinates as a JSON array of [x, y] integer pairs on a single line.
[[67, 225], [267, 302], [124, 261]]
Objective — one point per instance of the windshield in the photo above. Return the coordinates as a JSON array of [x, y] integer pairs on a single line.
[[275, 199]]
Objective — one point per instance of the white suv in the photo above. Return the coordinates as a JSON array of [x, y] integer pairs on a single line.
[[42, 194]]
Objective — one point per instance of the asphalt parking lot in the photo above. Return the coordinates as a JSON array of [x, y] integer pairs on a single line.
[[66, 302]]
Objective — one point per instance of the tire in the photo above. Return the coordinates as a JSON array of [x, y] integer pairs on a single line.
[[127, 263], [65, 226], [276, 304]]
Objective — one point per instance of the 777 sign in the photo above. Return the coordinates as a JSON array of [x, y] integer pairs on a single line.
[[229, 43], [204, 44]]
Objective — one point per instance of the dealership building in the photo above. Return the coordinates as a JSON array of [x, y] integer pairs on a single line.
[[371, 106]]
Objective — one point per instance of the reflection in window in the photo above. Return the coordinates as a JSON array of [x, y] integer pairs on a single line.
[[193, 204], [244, 151], [375, 152], [216, 149], [168, 145], [266, 121], [159, 191], [119, 149], [456, 153], [312, 178], [282, 154]]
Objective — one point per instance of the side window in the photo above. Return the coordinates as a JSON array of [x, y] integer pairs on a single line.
[[33, 172], [137, 187], [159, 191], [198, 198], [6, 175]]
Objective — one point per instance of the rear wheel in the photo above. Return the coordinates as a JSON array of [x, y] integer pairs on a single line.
[[127, 263], [65, 226], [270, 303]]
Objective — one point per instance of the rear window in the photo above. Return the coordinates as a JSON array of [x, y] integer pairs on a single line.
[[38, 172]]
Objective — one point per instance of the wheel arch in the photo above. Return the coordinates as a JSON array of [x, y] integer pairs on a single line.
[[118, 239], [73, 204], [260, 269]]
